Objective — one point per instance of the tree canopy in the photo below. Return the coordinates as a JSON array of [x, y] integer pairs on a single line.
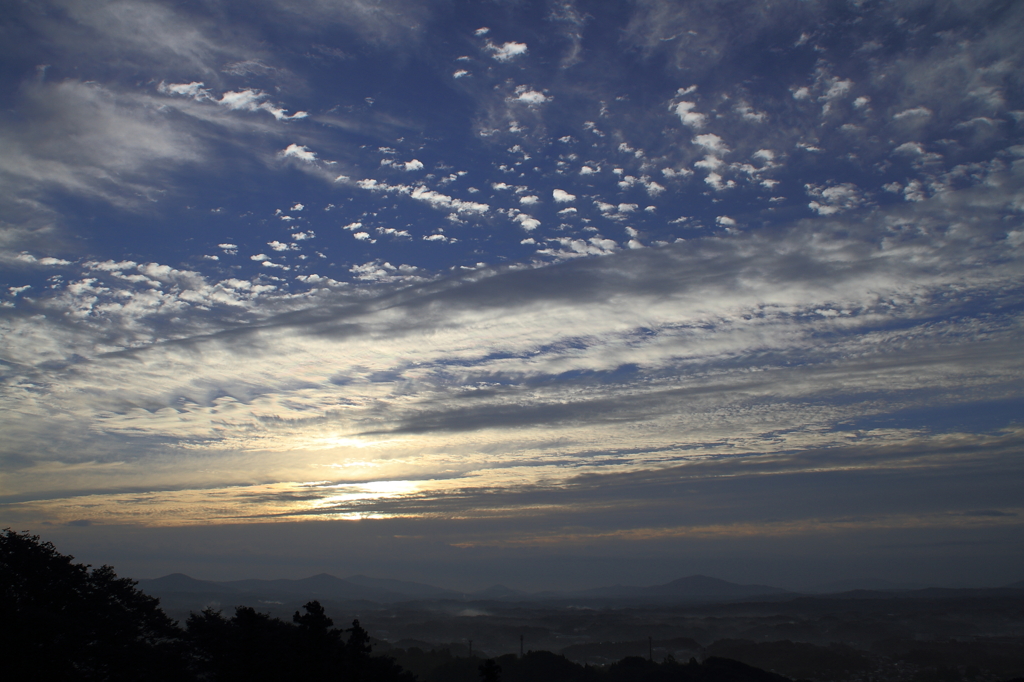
[[66, 620]]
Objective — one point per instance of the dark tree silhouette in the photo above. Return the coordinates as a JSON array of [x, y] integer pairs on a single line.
[[61, 620], [358, 644], [318, 643], [490, 671], [250, 646], [357, 650]]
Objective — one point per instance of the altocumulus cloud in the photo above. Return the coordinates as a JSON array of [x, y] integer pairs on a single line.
[[781, 293]]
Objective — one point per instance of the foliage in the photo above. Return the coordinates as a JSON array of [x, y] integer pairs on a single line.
[[61, 620], [795, 659], [253, 646]]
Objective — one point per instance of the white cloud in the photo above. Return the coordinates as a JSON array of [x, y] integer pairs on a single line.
[[461, 73], [528, 223], [689, 117], [393, 232], [589, 170], [837, 88], [507, 51], [709, 162], [426, 195], [562, 197], [674, 173], [637, 153], [353, 226], [914, 191], [834, 199], [575, 248], [909, 148], [529, 200], [413, 165], [242, 100], [652, 187], [383, 271], [300, 152], [46, 260], [193, 90], [749, 113], [717, 183], [532, 97], [725, 221], [712, 143], [320, 280], [918, 113], [443, 201]]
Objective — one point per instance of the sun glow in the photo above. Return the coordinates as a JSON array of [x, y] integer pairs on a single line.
[[366, 492]]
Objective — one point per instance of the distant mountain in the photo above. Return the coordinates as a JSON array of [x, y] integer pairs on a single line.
[[691, 588], [498, 592], [181, 583], [704, 586], [875, 584], [322, 586], [386, 591], [403, 587]]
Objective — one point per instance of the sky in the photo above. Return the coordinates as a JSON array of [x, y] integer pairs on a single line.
[[549, 293]]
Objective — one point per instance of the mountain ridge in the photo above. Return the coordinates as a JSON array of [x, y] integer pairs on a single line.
[[693, 588], [388, 590]]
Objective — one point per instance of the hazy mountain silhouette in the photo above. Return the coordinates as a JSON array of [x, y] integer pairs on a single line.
[[322, 586], [386, 590], [875, 584], [694, 588], [691, 588], [179, 582], [404, 587], [498, 592]]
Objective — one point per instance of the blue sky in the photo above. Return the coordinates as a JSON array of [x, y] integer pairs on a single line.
[[548, 286]]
